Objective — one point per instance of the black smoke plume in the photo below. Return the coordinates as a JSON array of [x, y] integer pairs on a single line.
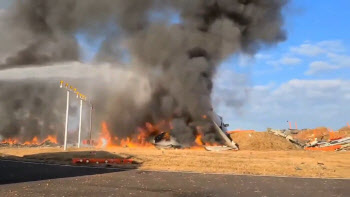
[[176, 44]]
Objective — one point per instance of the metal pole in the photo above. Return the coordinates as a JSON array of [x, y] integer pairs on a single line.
[[81, 112], [91, 107], [67, 119]]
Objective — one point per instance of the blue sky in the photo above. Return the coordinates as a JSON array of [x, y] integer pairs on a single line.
[[312, 67], [306, 22]]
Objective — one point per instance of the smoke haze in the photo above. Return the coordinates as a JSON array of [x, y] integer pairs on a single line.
[[172, 63]]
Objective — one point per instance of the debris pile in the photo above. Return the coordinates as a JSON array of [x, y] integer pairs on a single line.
[[321, 133], [321, 138], [165, 140], [332, 145], [285, 135]]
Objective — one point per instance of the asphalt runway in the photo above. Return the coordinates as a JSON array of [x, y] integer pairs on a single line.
[[30, 179]]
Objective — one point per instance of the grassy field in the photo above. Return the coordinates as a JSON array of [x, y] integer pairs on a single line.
[[297, 163]]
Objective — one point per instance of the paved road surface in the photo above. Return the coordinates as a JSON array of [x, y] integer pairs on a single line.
[[26, 179]]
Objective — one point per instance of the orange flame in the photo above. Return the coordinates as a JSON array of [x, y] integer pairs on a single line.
[[34, 141], [52, 139], [198, 140], [143, 136], [9, 141], [105, 139], [140, 140]]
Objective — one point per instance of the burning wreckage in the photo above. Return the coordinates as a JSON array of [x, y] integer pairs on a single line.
[[165, 140], [152, 137], [160, 136]]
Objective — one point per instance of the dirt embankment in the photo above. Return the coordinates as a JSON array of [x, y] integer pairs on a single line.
[[262, 141], [344, 131]]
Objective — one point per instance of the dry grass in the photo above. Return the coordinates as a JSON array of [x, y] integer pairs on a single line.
[[281, 163]]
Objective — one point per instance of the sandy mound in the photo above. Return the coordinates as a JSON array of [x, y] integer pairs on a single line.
[[262, 141], [345, 131]]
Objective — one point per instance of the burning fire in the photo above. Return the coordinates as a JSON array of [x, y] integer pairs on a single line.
[[34, 141], [9, 141], [105, 139], [141, 139], [199, 142], [144, 136], [52, 139]]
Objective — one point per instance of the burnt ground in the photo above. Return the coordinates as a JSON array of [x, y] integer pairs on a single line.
[[30, 179]]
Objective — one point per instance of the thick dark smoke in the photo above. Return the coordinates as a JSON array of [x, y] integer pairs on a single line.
[[36, 114], [179, 58]]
